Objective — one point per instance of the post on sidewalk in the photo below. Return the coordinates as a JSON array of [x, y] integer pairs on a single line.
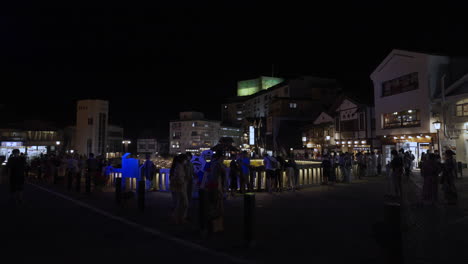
[[118, 189], [393, 226], [88, 182], [203, 212], [141, 195], [249, 218]]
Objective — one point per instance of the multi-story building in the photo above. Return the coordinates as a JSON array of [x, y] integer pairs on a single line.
[[283, 106], [318, 137], [407, 89], [114, 141], [92, 126], [232, 132], [193, 133], [354, 126], [147, 146]]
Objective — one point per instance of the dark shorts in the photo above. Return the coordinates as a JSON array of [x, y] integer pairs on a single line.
[[270, 174], [16, 184]]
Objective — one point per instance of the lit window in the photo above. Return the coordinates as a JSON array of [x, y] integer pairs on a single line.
[[402, 119], [225, 107], [292, 105], [239, 118], [239, 112], [461, 108]]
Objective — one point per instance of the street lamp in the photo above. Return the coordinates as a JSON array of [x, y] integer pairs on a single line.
[[437, 127], [126, 142]]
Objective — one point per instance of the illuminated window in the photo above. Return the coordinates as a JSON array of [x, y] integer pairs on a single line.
[[409, 118], [461, 108], [292, 105]]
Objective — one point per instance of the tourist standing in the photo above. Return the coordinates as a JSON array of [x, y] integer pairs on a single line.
[[178, 187], [245, 180], [279, 173], [16, 168], [189, 174], [270, 168], [233, 174], [430, 171], [397, 171], [448, 178], [326, 167], [291, 168]]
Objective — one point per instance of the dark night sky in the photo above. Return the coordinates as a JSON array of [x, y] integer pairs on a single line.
[[158, 61]]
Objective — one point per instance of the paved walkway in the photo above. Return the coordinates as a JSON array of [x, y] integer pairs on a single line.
[[322, 224], [434, 234]]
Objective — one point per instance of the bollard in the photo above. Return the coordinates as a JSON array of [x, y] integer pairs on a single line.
[[69, 180], [393, 228], [203, 212], [249, 218], [118, 190], [141, 195], [88, 182]]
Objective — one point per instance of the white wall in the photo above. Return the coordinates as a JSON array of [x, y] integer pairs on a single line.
[[396, 65], [90, 109]]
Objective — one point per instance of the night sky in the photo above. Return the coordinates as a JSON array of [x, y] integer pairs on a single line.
[[152, 63]]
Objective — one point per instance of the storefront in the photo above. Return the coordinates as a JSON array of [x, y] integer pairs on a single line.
[[417, 144], [7, 147], [354, 146]]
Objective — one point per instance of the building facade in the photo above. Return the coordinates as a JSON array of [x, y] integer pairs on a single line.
[[281, 107], [114, 141], [147, 146], [193, 133], [405, 87], [92, 126], [32, 138]]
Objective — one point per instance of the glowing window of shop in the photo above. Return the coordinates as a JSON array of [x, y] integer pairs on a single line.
[[407, 118], [461, 108]]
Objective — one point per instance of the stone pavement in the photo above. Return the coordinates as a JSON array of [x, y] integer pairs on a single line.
[[326, 224], [434, 234]]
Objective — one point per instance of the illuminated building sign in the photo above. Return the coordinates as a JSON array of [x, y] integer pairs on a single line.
[[251, 135], [12, 144], [249, 87]]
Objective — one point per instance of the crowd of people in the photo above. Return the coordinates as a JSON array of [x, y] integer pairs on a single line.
[[435, 170]]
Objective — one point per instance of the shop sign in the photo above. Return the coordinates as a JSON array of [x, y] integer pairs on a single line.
[[12, 144]]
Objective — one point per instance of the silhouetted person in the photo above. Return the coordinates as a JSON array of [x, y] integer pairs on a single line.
[[16, 168]]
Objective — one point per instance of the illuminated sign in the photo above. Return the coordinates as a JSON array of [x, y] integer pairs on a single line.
[[12, 144], [251, 135]]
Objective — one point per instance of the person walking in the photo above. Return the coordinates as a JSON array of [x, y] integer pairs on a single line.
[[430, 171], [279, 173], [177, 183], [326, 167], [379, 164], [270, 167], [233, 174], [244, 166], [16, 165], [149, 169], [397, 171], [448, 178], [290, 173], [347, 164], [189, 175], [92, 169], [72, 168]]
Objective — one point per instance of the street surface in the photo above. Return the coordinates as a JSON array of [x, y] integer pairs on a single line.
[[319, 224]]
